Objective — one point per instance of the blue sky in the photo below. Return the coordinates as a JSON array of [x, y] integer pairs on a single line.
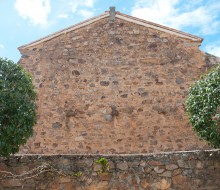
[[23, 21]]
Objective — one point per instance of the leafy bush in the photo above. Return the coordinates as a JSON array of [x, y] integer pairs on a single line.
[[203, 107], [17, 107]]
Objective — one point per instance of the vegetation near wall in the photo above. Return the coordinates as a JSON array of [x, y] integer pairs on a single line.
[[203, 107], [17, 107]]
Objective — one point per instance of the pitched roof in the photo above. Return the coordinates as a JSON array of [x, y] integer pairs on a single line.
[[117, 15]]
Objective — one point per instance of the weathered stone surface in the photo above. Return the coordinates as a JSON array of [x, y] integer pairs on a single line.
[[198, 182], [171, 167], [89, 181], [155, 163], [3, 167], [159, 170], [181, 163], [89, 69], [97, 167], [179, 80], [11, 183], [99, 186], [187, 172], [64, 164], [145, 184], [165, 184], [105, 176], [82, 172], [70, 113], [104, 83], [179, 179], [108, 117], [56, 125], [216, 164], [18, 170], [162, 184], [199, 165], [75, 73], [64, 179], [177, 172], [79, 138], [166, 174], [122, 165]]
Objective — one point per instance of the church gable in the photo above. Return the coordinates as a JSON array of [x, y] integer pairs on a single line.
[[111, 15], [112, 85]]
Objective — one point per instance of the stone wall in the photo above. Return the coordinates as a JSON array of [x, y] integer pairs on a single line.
[[199, 170], [113, 88]]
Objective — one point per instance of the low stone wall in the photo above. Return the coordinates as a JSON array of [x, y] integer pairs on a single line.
[[199, 170]]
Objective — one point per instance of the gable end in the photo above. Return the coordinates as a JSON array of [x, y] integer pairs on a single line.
[[120, 16]]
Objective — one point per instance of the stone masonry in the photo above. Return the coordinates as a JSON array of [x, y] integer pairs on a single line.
[[198, 170], [113, 86]]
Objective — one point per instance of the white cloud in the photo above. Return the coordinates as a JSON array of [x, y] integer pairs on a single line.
[[213, 49], [34, 10], [85, 13], [75, 4], [65, 16], [83, 8], [179, 14], [89, 3], [2, 46]]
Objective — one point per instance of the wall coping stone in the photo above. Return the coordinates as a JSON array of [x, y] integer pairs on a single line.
[[185, 154]]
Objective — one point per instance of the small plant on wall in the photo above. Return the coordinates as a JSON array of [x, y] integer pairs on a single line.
[[203, 107], [104, 163], [17, 107]]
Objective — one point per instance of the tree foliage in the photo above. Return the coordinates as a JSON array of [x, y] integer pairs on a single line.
[[203, 107], [17, 107]]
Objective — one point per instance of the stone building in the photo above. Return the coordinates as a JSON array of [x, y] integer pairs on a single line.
[[114, 84]]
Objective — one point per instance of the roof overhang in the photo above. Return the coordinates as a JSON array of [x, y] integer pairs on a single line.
[[120, 16], [158, 27]]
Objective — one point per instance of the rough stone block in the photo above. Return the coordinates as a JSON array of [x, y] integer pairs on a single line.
[[64, 179], [171, 167], [122, 165], [162, 184], [159, 170], [179, 180]]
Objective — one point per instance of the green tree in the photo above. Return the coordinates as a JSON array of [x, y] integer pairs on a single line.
[[203, 107], [17, 107]]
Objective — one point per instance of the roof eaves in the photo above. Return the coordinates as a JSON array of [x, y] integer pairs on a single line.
[[118, 15], [158, 27], [65, 30]]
